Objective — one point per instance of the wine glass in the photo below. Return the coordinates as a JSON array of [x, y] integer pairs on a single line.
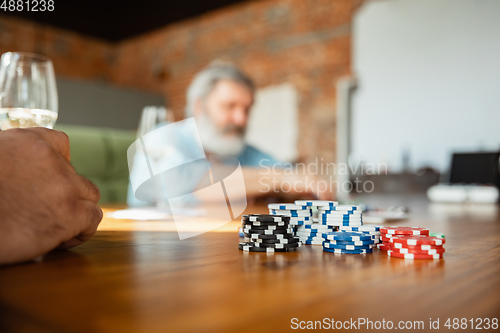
[[28, 92]]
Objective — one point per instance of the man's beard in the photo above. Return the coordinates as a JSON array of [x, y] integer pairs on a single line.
[[226, 141]]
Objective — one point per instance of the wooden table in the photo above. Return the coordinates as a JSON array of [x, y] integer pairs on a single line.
[[138, 277]]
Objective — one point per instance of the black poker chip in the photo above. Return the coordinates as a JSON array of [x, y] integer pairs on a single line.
[[273, 241], [249, 248], [268, 232], [265, 227], [265, 224], [265, 218], [276, 245], [261, 236]]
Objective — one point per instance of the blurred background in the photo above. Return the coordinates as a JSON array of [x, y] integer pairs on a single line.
[[402, 83]]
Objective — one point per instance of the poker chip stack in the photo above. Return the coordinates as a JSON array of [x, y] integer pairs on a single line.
[[416, 247], [311, 234], [299, 214], [386, 233], [345, 242], [372, 230], [410, 243], [384, 245], [268, 233], [340, 216]]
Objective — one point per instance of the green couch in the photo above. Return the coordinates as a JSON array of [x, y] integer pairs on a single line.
[[100, 154]]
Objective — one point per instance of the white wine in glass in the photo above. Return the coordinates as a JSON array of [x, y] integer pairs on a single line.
[[28, 92]]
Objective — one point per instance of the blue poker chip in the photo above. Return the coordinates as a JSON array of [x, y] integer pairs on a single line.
[[347, 251], [347, 236], [375, 235], [346, 247], [240, 232], [356, 243]]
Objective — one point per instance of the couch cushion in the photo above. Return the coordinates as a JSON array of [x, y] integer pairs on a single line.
[[100, 154]]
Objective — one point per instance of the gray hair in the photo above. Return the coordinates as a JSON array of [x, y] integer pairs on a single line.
[[204, 82]]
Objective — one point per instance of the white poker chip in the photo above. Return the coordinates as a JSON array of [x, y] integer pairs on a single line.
[[372, 233], [372, 228], [345, 217], [341, 208], [340, 224], [316, 203], [301, 218], [310, 235], [316, 239], [286, 206], [339, 213], [341, 220], [314, 227], [291, 214], [299, 223], [312, 231]]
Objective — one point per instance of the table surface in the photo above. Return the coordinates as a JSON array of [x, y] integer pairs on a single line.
[[137, 276]]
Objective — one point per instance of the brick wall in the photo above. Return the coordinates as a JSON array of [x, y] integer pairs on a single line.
[[74, 55], [307, 43]]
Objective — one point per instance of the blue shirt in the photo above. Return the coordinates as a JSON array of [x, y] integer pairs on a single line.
[[250, 157]]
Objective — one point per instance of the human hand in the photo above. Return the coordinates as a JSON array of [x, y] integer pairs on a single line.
[[44, 204]]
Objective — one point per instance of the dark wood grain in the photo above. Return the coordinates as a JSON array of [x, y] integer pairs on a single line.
[[128, 280]]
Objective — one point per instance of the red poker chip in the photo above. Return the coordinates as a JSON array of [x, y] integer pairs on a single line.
[[383, 231], [417, 240], [419, 252], [391, 253], [385, 239], [404, 231], [383, 246], [423, 247]]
